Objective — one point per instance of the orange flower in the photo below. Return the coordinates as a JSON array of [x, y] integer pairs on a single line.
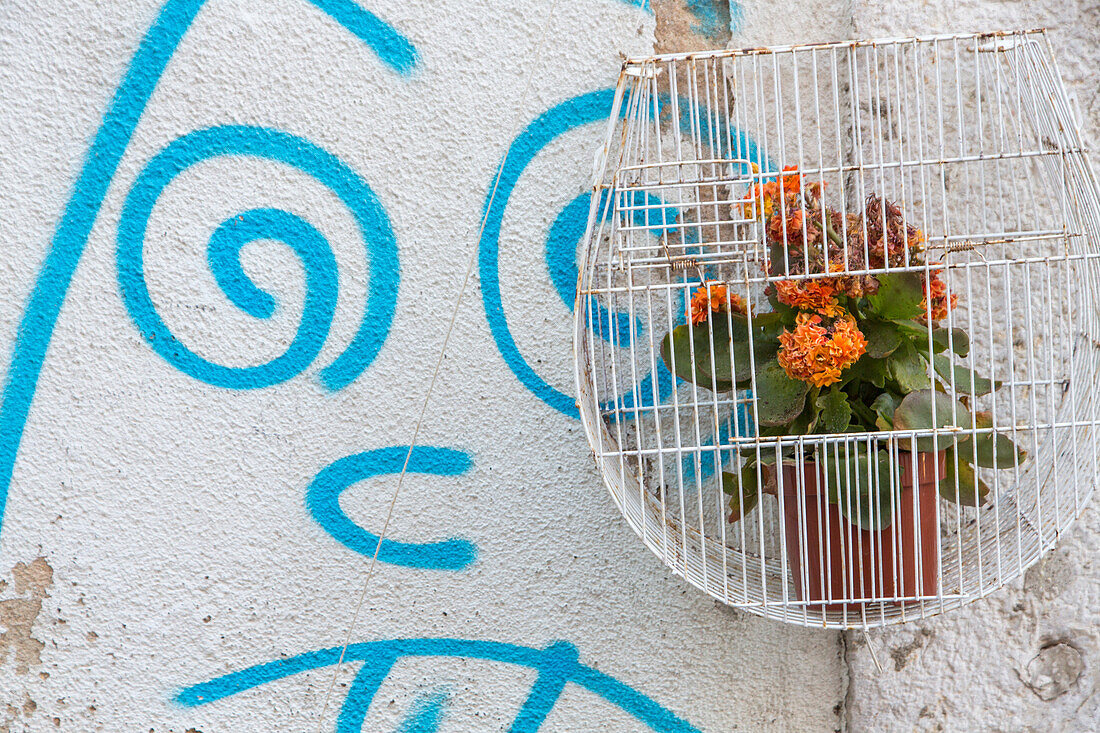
[[942, 304], [818, 294], [818, 351], [713, 296], [768, 194]]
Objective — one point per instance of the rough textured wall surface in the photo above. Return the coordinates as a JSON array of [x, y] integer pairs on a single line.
[[1027, 658], [193, 190], [234, 233]]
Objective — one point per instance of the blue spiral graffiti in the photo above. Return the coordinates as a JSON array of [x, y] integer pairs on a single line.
[[224, 258], [566, 232], [555, 665], [561, 248], [84, 204], [323, 502]]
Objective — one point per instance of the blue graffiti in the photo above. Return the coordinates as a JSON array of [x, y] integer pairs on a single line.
[[426, 714], [323, 503], [555, 665], [564, 236], [737, 423], [224, 258], [714, 16], [84, 204], [561, 248]]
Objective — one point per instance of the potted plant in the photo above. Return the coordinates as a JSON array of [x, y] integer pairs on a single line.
[[853, 343]]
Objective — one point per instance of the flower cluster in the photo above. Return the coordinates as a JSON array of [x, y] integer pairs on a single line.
[[820, 348], [770, 193], [807, 237], [941, 303], [713, 297], [816, 294]]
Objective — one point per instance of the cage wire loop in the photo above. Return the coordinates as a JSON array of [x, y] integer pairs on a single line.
[[767, 220]]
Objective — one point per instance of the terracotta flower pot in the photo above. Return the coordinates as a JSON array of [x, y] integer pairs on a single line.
[[832, 559]]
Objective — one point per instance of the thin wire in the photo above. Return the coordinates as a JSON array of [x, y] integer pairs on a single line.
[[438, 365]]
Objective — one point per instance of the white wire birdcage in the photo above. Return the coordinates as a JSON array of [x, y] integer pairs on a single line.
[[952, 162]]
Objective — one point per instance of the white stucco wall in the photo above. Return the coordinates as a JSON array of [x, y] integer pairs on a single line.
[[170, 514], [163, 530]]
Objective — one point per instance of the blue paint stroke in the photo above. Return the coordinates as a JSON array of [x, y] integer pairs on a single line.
[[565, 236], [323, 503], [713, 17], [224, 253], [86, 200], [556, 666], [573, 113], [426, 714], [566, 116], [561, 262], [737, 424], [737, 17]]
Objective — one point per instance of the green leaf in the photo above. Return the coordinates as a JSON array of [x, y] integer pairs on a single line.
[[884, 406], [882, 338], [915, 413], [744, 490], [834, 412], [943, 339], [906, 367], [961, 485], [866, 370], [899, 296], [966, 381], [860, 486], [765, 350], [779, 399], [679, 344], [994, 450], [954, 339]]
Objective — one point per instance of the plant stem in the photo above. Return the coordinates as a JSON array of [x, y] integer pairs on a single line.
[[833, 236]]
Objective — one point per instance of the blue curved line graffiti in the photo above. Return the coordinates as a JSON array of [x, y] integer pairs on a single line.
[[564, 235], [224, 251], [556, 666], [561, 261], [560, 247], [80, 213], [323, 503]]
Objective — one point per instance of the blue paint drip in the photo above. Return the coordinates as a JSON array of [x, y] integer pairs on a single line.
[[427, 714], [223, 255], [323, 502], [556, 662], [643, 4], [100, 164]]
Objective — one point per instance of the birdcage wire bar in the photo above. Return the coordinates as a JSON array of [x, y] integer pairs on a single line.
[[972, 135]]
